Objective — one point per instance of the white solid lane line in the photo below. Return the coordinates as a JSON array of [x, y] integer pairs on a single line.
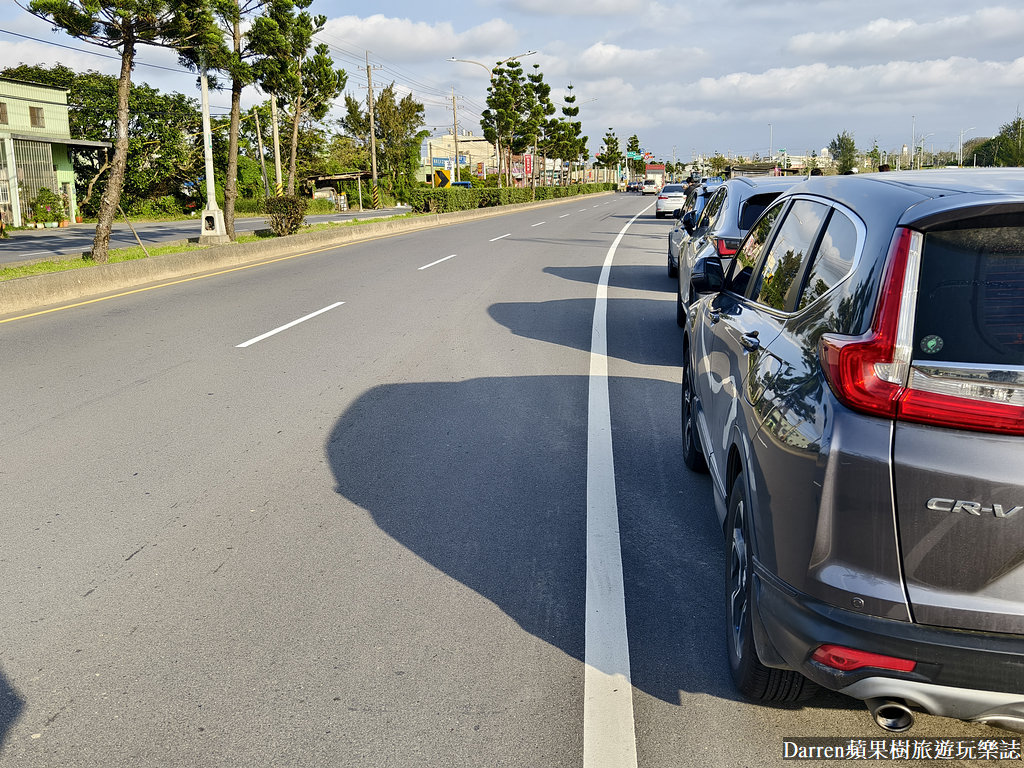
[[285, 327], [427, 266], [609, 738], [502, 237]]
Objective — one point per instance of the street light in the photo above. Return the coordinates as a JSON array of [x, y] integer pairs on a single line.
[[920, 141], [961, 153], [490, 75]]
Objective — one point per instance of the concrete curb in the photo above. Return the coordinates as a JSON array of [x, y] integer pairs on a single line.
[[27, 293]]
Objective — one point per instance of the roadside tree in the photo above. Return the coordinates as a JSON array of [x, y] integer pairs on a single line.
[[718, 163], [844, 151], [301, 83], [573, 142], [122, 25], [398, 124], [611, 155], [509, 117]]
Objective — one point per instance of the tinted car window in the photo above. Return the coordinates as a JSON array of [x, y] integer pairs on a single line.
[[750, 251], [675, 189], [777, 282], [712, 210], [969, 308], [833, 260]]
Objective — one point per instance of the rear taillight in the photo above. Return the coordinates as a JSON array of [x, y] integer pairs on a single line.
[[662, 197], [873, 373], [849, 659], [981, 413], [727, 247], [867, 373]]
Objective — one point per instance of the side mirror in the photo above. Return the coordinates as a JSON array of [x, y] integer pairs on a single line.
[[689, 221], [707, 275]]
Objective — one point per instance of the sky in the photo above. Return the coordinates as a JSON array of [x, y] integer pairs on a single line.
[[733, 76]]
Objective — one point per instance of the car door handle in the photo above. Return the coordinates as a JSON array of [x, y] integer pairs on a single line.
[[749, 341]]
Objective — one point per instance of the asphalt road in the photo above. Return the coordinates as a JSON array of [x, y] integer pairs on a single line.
[[362, 540], [32, 244]]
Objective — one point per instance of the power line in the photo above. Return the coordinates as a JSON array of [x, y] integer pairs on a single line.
[[89, 52]]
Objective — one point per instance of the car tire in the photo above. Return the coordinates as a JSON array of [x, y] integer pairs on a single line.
[[673, 270], [752, 678], [658, 214], [693, 455]]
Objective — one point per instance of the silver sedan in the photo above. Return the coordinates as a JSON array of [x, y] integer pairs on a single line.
[[670, 199]]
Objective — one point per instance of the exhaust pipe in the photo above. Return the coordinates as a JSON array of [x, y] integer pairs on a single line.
[[891, 714]]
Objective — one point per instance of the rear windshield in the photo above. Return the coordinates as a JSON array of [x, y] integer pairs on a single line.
[[675, 188], [751, 209], [970, 306]]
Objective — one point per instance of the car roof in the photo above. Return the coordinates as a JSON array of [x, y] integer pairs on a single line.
[[919, 195], [766, 183]]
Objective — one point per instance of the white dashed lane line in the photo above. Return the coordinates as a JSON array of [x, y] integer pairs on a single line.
[[286, 326], [502, 237], [537, 224], [433, 263]]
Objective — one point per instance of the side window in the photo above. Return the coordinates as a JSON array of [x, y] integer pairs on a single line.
[[3, 113], [833, 260], [746, 257], [776, 282], [36, 117], [712, 210]]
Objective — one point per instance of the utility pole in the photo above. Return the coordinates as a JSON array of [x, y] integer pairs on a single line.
[[278, 188], [213, 229], [913, 139], [455, 135], [373, 133], [263, 159]]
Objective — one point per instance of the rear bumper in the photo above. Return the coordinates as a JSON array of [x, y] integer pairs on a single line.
[[966, 675]]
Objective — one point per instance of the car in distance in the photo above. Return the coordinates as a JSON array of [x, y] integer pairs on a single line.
[[670, 199], [649, 187], [854, 382], [718, 228]]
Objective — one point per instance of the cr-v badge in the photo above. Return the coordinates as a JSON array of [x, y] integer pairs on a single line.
[[971, 507]]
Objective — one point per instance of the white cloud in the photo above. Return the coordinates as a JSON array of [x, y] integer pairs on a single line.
[[407, 41], [906, 37], [579, 8]]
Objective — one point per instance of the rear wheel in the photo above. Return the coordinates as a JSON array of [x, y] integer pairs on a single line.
[[693, 456], [753, 679]]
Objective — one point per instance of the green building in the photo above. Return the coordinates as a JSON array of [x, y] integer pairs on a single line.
[[35, 148]]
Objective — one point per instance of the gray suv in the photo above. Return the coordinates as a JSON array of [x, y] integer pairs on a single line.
[[854, 381], [718, 227]]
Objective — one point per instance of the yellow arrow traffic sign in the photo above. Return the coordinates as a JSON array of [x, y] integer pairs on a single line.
[[442, 177]]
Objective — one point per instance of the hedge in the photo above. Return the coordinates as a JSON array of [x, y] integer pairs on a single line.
[[448, 199]]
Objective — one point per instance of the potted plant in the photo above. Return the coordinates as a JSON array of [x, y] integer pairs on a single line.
[[48, 208]]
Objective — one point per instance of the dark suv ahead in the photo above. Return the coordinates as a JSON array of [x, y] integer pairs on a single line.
[[697, 196], [854, 380], [718, 228]]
